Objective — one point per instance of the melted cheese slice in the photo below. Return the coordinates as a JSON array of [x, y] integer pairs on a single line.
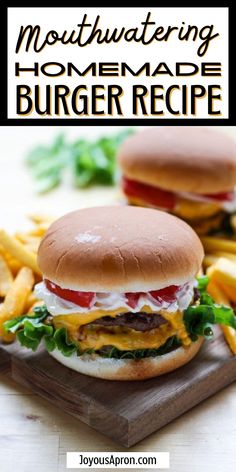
[[121, 337], [124, 339], [186, 209], [193, 210]]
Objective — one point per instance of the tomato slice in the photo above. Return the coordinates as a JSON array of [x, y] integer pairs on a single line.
[[83, 299], [149, 194], [223, 196], [133, 298], [167, 294]]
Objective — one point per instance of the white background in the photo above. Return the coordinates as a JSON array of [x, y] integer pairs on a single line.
[[135, 54]]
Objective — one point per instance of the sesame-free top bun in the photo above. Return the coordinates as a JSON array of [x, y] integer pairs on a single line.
[[187, 159], [123, 249], [129, 369]]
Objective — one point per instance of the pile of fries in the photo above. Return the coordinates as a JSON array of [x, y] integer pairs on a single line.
[[19, 271], [220, 265]]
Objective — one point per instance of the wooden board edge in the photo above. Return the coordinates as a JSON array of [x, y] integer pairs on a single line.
[[155, 419], [93, 414], [5, 361]]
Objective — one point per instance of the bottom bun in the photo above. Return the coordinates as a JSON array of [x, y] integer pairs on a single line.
[[129, 369]]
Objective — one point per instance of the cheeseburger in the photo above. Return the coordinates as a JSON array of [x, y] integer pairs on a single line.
[[190, 172], [121, 297]]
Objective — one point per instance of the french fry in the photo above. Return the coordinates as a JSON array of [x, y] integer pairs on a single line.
[[31, 300], [209, 259], [41, 219], [6, 277], [8, 337], [217, 293], [40, 230], [230, 292], [15, 300], [13, 264], [26, 238], [33, 246], [223, 272], [221, 298], [230, 337], [211, 244], [228, 255], [30, 242], [19, 251]]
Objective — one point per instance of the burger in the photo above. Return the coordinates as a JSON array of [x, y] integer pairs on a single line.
[[121, 298], [190, 172]]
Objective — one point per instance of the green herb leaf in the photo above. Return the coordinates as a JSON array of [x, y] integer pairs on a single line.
[[90, 162], [199, 319], [202, 283]]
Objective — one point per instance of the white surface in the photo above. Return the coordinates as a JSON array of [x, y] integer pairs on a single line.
[[36, 436], [17, 196]]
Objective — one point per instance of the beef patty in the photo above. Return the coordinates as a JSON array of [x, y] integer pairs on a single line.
[[138, 321]]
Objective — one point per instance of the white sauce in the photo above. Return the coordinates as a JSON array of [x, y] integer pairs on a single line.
[[228, 206], [111, 301]]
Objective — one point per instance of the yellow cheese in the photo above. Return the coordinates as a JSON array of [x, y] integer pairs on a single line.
[[192, 210], [124, 339], [79, 319], [121, 337], [139, 202], [187, 209], [195, 212]]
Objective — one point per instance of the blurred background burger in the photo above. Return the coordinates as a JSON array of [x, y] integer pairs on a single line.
[[190, 172]]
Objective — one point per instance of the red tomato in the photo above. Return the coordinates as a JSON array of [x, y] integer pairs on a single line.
[[132, 299], [83, 299], [223, 196], [167, 294], [149, 194]]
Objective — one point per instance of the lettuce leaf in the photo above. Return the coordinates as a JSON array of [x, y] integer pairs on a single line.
[[199, 319], [62, 342], [31, 330], [113, 352], [40, 313]]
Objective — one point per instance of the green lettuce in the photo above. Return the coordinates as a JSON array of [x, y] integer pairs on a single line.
[[31, 330], [199, 318], [113, 352]]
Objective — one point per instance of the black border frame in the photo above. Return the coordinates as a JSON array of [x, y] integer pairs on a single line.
[[5, 121]]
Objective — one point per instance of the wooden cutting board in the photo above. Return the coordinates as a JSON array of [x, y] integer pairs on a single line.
[[125, 411]]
